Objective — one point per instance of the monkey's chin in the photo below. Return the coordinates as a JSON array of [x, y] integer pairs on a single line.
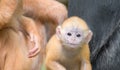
[[71, 45]]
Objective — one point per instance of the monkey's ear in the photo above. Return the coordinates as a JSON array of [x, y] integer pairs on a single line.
[[89, 36], [58, 31]]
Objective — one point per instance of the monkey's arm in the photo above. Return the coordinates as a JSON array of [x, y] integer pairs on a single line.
[[33, 38], [51, 10], [53, 53], [7, 9], [85, 62], [85, 65], [53, 65]]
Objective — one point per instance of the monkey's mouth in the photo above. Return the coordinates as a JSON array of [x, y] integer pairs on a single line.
[[73, 45]]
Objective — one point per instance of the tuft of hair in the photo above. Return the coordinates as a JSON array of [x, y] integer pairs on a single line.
[[75, 22]]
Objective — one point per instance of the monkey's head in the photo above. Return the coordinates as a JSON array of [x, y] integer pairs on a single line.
[[74, 32]]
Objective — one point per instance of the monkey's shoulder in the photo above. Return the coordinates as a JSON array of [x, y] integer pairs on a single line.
[[85, 52], [54, 41], [53, 48]]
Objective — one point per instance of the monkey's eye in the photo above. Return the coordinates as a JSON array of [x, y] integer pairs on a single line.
[[69, 34], [78, 35]]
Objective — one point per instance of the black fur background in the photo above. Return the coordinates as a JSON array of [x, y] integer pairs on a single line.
[[103, 18]]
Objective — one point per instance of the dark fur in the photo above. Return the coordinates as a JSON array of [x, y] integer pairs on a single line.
[[103, 17]]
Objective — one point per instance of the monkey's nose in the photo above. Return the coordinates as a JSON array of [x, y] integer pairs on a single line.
[[73, 39]]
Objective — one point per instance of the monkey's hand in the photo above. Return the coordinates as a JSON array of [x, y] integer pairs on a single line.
[[53, 65], [34, 44], [33, 37]]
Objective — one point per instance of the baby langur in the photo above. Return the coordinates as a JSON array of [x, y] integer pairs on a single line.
[[68, 49]]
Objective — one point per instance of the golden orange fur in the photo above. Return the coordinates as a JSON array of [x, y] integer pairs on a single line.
[[48, 12], [59, 58], [14, 38]]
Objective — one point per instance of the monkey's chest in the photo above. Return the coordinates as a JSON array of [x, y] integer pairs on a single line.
[[70, 64]]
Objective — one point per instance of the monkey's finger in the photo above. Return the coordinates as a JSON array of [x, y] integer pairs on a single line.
[[31, 37], [33, 52]]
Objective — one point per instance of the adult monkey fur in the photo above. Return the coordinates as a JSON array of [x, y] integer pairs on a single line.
[[103, 17], [68, 49], [13, 34], [14, 41], [48, 13]]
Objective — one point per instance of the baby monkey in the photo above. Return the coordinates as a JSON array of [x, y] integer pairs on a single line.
[[68, 49]]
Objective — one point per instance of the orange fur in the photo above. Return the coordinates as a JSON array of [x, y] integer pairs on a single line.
[[48, 12], [47, 15], [14, 46], [59, 58]]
